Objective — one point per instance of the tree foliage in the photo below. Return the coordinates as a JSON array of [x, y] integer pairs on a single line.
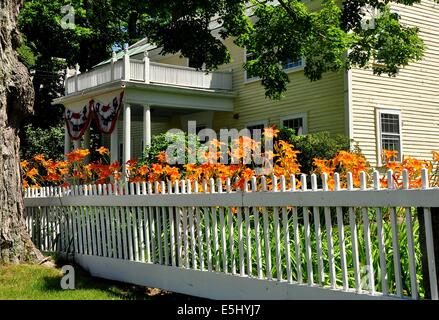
[[336, 37], [48, 48], [331, 35], [333, 38]]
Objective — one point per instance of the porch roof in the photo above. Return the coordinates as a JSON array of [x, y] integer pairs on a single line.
[[136, 93]]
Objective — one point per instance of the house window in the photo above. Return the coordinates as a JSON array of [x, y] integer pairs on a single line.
[[253, 127], [390, 132], [248, 75], [297, 122], [293, 64]]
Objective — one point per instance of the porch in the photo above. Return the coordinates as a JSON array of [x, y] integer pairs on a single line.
[[124, 93]]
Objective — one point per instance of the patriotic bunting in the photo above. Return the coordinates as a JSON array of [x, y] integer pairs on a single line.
[[104, 114], [78, 122]]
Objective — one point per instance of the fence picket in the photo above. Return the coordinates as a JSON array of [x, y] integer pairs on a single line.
[[354, 238], [306, 223], [318, 233], [429, 241], [214, 229], [367, 242], [341, 236], [329, 236], [171, 228], [223, 230], [277, 235], [380, 234], [178, 230], [248, 235], [240, 243], [257, 235], [410, 242], [395, 240], [268, 272], [165, 228], [199, 231]]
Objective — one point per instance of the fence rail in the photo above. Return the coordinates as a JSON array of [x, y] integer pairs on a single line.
[[277, 242]]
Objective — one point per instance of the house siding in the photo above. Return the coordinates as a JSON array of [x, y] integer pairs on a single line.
[[176, 60], [323, 100], [414, 92]]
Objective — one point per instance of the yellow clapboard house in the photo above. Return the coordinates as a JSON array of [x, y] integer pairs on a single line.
[[139, 93]]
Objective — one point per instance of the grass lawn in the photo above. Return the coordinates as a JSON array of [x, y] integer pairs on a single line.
[[30, 282]]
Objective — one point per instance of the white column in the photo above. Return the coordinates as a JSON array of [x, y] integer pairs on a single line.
[[113, 65], [147, 126], [76, 144], [146, 62], [67, 140], [114, 149], [127, 133], [126, 66], [77, 73]]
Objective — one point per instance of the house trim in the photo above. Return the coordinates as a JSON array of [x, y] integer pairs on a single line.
[[257, 123], [348, 105]]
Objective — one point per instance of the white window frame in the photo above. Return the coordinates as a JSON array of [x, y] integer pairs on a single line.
[[257, 123], [295, 69], [379, 133], [249, 80], [293, 116]]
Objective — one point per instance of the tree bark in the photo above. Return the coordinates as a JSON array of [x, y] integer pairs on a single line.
[[16, 102]]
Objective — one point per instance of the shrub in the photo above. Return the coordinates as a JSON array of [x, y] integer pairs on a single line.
[[160, 143], [322, 145], [49, 142]]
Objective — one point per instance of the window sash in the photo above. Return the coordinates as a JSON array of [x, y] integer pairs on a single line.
[[297, 127], [390, 133], [292, 64]]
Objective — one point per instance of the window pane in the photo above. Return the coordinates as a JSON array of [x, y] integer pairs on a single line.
[[393, 143], [295, 124], [250, 57], [390, 123], [292, 63], [253, 129]]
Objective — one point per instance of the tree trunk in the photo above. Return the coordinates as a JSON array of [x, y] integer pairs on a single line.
[[16, 102]]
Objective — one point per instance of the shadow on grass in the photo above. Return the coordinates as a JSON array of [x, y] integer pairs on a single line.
[[118, 290]]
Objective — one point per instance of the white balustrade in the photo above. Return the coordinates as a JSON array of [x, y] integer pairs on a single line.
[[162, 74]]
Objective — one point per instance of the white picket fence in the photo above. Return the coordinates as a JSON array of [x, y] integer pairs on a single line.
[[245, 244]]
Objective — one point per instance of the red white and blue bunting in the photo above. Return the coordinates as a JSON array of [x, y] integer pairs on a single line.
[[105, 116], [78, 122]]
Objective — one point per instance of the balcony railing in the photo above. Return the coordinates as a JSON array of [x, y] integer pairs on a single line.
[[144, 71]]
